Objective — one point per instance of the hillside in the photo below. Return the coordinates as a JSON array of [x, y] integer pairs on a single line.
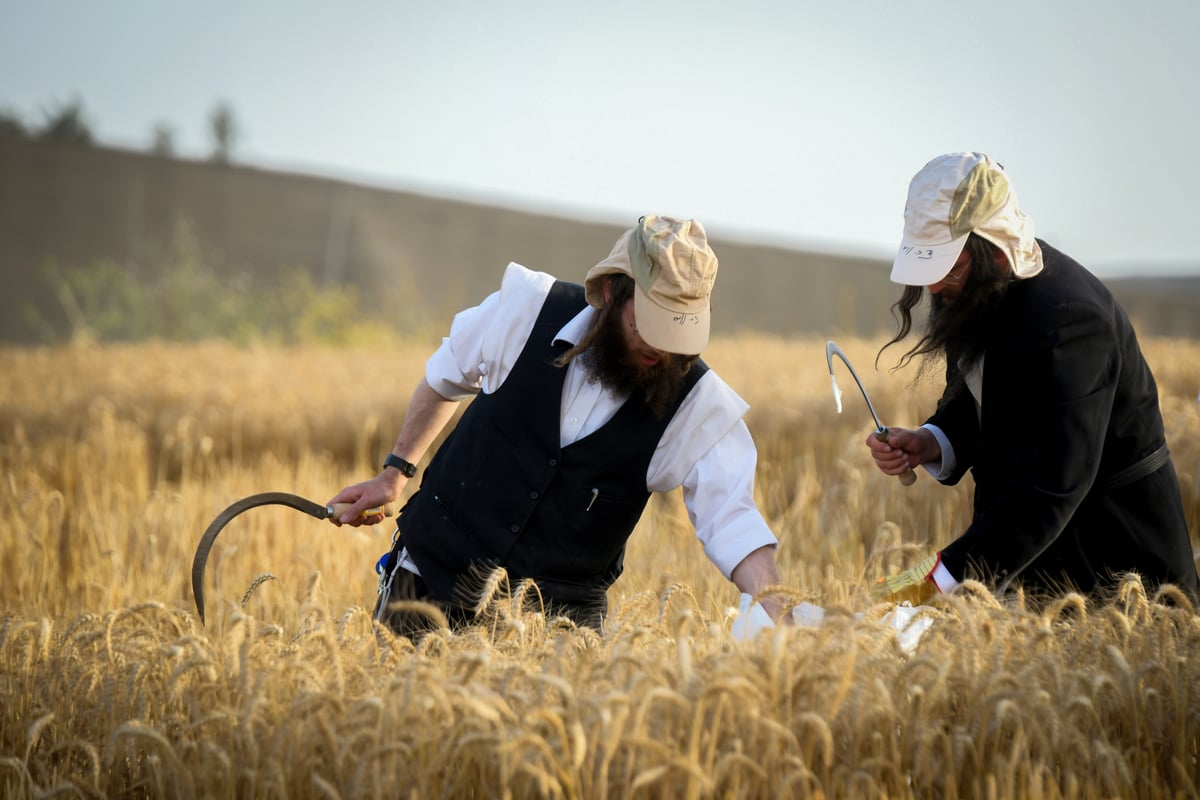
[[414, 258], [1168, 306]]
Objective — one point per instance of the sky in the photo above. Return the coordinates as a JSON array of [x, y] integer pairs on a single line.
[[783, 122]]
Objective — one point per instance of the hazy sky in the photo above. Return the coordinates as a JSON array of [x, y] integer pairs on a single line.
[[790, 122]]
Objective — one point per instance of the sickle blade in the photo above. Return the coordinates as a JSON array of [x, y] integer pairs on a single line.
[[831, 350], [214, 528], [881, 432]]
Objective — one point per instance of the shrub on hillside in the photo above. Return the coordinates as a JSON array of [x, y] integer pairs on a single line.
[[186, 299]]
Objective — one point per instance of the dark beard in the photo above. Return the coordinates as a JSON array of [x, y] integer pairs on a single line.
[[658, 386], [958, 328]]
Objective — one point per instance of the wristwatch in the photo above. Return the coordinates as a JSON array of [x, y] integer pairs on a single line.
[[407, 468]]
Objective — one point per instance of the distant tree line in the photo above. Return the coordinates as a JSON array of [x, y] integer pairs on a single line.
[[67, 122]]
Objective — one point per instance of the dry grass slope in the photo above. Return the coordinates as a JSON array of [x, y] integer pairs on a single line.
[[115, 459]]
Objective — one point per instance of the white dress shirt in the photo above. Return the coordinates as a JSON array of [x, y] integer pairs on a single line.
[[706, 448]]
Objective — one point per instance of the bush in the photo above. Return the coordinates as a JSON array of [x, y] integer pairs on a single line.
[[187, 299]]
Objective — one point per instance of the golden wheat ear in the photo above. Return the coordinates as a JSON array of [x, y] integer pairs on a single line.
[[421, 609], [483, 584]]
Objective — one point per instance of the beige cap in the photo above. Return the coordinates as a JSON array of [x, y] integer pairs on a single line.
[[953, 196], [674, 269]]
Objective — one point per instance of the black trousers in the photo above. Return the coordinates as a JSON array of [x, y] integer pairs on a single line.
[[413, 623], [407, 586]]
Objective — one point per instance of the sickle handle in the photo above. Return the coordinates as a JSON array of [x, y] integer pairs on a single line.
[[337, 509], [908, 477]]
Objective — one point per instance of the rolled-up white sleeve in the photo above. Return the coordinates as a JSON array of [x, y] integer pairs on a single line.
[[453, 371], [707, 449], [719, 495], [485, 340]]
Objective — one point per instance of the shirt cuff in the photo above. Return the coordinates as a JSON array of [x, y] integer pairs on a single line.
[[732, 548], [946, 468], [942, 578]]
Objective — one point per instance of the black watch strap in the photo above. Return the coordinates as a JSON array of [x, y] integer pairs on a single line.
[[407, 468]]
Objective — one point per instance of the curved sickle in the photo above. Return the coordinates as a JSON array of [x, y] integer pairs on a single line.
[[831, 350], [881, 432], [253, 501]]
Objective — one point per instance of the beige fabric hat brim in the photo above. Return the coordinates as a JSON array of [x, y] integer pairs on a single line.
[[681, 332], [920, 264]]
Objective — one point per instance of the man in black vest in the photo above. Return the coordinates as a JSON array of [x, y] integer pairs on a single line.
[[1048, 401], [584, 400]]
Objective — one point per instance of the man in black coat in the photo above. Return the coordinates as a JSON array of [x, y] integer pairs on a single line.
[[1048, 401]]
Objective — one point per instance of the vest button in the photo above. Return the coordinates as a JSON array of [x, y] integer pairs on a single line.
[[554, 462], [533, 495], [515, 528]]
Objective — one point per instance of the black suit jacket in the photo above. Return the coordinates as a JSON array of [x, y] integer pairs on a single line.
[[1068, 401]]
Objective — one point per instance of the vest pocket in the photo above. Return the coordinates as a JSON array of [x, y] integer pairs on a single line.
[[598, 525]]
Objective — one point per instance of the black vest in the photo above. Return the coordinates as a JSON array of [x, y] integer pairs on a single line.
[[501, 491]]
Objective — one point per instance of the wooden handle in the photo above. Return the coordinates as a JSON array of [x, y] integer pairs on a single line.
[[908, 477], [337, 509]]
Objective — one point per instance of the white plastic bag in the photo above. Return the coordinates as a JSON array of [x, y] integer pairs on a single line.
[[908, 623], [752, 618]]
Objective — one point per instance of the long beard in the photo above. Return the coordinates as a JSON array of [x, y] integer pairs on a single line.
[[610, 363], [958, 328]]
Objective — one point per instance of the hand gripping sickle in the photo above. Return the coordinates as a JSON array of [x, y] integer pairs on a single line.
[[881, 433], [253, 501]]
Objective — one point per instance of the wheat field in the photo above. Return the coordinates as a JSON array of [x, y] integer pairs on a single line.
[[116, 457]]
